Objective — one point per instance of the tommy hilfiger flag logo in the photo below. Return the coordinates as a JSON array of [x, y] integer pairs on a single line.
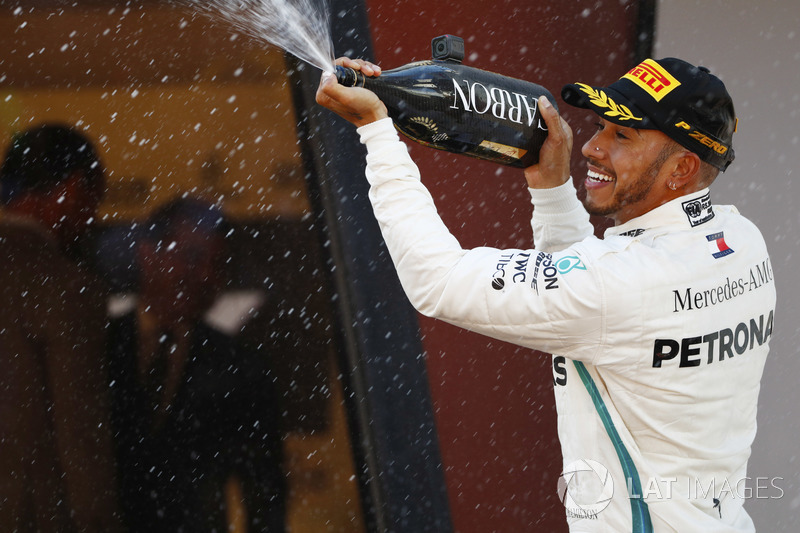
[[717, 245]]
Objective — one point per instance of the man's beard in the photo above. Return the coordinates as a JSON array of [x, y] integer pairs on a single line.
[[632, 192]]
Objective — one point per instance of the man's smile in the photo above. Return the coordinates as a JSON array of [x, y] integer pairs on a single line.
[[596, 177]]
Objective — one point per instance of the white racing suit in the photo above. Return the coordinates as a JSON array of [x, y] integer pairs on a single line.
[[659, 334]]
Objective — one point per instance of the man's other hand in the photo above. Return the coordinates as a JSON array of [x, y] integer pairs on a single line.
[[553, 167]]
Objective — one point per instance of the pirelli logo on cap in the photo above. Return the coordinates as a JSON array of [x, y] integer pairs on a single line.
[[652, 77]]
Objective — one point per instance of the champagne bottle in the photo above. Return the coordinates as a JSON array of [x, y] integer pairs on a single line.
[[449, 106]]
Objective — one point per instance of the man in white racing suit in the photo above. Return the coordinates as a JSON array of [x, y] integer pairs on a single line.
[[659, 331]]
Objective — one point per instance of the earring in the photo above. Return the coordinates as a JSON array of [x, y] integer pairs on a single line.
[[672, 186]]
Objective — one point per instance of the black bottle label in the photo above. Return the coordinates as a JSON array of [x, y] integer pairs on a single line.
[[501, 103]]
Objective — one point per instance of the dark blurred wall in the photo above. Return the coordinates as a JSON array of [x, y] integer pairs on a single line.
[[494, 402]]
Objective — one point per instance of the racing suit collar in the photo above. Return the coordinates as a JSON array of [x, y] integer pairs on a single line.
[[686, 211]]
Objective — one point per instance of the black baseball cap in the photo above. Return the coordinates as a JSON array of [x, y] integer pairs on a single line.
[[687, 103]]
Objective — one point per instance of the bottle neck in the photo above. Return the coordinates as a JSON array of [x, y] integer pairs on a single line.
[[349, 77]]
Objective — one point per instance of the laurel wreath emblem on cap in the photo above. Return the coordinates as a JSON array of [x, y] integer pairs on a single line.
[[601, 99]]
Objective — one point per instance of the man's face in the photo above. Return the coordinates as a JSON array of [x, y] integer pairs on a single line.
[[180, 278], [626, 174], [72, 209]]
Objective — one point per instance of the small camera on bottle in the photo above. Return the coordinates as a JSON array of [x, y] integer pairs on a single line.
[[448, 48]]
